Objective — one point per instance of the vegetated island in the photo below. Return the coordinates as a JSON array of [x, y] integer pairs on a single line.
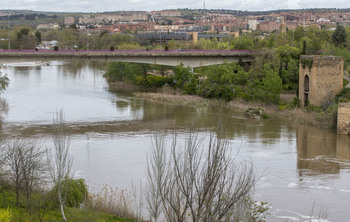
[[229, 85]]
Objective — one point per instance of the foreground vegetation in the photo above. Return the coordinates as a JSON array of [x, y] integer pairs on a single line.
[[36, 184]]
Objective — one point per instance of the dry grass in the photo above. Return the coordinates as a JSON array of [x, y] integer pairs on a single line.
[[111, 200], [123, 86], [171, 98]]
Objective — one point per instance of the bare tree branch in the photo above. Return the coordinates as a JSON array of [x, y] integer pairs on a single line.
[[198, 181], [60, 162]]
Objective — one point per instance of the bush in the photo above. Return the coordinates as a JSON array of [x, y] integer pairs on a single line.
[[111, 48], [215, 90], [344, 96], [154, 81], [76, 192], [55, 48], [166, 48], [115, 71], [5, 215]]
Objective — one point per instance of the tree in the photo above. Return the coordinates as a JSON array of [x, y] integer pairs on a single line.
[[339, 36], [25, 166], [271, 85], [73, 26], [104, 32], [197, 185], [155, 173], [185, 79], [22, 32], [4, 82], [61, 162], [38, 36]]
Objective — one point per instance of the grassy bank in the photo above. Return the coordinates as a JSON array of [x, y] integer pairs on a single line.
[[42, 210]]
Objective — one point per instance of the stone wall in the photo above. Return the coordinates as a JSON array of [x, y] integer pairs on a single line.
[[343, 125], [325, 76]]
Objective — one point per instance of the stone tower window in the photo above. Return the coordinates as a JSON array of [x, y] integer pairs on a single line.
[[306, 83]]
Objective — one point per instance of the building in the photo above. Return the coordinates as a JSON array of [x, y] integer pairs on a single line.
[[268, 26], [343, 120], [320, 79], [48, 26], [166, 13], [48, 44], [69, 20], [252, 24]]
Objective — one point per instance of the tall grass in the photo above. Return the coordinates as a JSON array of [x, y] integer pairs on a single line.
[[110, 200]]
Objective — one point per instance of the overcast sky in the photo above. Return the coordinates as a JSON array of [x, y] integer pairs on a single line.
[[149, 5]]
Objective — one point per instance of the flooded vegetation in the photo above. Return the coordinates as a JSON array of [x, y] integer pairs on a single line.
[[304, 169]]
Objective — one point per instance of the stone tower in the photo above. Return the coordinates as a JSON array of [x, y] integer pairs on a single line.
[[320, 79], [343, 120]]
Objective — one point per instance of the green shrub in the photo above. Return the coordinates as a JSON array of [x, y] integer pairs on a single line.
[[5, 215], [215, 90], [312, 108], [154, 81], [55, 48], [344, 96], [345, 82], [76, 192], [283, 107]]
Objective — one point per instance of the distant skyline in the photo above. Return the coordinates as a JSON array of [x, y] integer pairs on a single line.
[[150, 5]]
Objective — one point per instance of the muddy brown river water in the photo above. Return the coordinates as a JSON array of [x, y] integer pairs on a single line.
[[304, 169]]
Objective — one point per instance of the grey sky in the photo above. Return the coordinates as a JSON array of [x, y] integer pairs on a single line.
[[149, 5]]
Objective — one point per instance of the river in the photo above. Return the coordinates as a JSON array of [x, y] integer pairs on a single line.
[[304, 169]]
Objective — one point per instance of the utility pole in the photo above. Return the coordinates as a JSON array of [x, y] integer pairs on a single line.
[[88, 38], [9, 38], [228, 41], [160, 40]]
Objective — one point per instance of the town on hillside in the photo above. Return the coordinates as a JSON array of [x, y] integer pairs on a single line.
[[179, 24]]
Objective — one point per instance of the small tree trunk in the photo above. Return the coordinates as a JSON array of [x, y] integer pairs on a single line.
[[61, 205]]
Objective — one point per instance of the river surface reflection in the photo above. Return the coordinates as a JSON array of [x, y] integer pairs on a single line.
[[111, 132]]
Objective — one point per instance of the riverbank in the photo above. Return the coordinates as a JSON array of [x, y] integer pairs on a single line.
[[296, 114], [169, 95]]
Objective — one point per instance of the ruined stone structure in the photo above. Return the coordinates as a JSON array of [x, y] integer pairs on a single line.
[[320, 79], [343, 125]]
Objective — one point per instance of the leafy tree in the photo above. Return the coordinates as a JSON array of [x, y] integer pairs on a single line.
[[22, 32], [286, 54], [76, 192], [339, 36], [103, 33], [4, 82], [116, 71], [293, 73], [270, 85], [184, 79], [38, 36], [73, 26], [221, 80], [304, 48], [129, 46], [243, 42]]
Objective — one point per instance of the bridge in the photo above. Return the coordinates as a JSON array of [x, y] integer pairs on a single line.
[[191, 58]]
